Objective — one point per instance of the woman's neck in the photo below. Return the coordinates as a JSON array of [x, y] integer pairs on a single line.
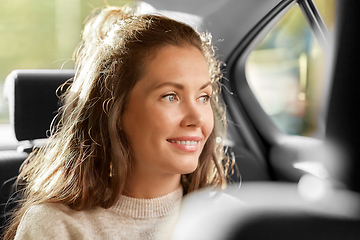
[[145, 186]]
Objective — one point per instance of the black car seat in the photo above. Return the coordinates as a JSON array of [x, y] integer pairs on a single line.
[[33, 103]]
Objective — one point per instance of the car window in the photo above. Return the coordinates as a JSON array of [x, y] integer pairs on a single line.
[[327, 9], [40, 34], [286, 73]]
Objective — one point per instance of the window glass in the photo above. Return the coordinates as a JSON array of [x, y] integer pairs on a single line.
[[327, 9], [286, 74], [38, 34]]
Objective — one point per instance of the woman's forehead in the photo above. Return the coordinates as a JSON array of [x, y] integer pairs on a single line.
[[185, 65]]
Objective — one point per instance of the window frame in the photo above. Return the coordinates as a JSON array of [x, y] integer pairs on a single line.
[[253, 124], [257, 131], [266, 131]]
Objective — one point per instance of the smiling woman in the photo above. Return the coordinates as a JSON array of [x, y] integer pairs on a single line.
[[168, 119], [139, 128]]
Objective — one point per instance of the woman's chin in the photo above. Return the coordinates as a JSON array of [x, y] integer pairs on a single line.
[[188, 168]]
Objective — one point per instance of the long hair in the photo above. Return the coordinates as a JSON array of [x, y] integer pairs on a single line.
[[87, 158]]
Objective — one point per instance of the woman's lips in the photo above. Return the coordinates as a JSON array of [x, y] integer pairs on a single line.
[[187, 144]]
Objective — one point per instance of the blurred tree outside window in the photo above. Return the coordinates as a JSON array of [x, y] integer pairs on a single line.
[[40, 34], [286, 72]]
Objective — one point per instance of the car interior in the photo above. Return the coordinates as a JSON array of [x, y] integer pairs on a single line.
[[33, 104], [297, 161]]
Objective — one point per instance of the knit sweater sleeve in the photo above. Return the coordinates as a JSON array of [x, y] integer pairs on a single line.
[[47, 221]]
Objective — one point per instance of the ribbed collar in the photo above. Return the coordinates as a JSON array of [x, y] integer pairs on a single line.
[[149, 208]]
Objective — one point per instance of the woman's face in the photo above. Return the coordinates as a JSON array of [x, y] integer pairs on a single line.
[[169, 117]]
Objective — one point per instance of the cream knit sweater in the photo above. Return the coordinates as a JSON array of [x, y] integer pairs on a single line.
[[130, 218]]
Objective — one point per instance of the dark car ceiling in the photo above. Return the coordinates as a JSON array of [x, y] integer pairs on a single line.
[[228, 21]]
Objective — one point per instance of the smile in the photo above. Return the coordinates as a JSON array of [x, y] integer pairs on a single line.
[[188, 143]]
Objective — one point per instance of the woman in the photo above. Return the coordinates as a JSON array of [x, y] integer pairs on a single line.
[[139, 128]]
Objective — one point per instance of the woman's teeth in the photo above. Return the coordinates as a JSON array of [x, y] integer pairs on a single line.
[[189, 143]]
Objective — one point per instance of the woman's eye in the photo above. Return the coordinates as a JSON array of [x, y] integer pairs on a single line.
[[170, 97], [204, 99]]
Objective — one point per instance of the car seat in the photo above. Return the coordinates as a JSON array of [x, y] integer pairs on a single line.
[[33, 103]]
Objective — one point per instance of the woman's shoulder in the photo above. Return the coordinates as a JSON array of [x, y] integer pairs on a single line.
[[51, 207], [41, 212], [57, 213], [47, 220]]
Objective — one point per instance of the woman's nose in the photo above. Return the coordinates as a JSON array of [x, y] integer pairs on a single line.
[[193, 116]]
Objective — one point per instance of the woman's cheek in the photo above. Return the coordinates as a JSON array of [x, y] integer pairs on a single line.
[[209, 123]]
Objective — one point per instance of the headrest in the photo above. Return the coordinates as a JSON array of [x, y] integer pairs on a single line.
[[33, 102]]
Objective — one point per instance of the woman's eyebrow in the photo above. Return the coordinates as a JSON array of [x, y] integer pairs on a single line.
[[205, 85], [178, 85]]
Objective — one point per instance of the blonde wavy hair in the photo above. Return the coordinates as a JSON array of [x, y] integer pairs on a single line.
[[77, 167]]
